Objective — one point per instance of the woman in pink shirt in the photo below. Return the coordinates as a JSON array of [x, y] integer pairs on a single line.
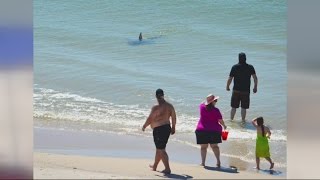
[[209, 128]]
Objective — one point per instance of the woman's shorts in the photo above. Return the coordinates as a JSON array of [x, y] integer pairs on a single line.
[[205, 137]]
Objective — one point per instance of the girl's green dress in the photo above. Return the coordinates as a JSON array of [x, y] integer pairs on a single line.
[[262, 146]]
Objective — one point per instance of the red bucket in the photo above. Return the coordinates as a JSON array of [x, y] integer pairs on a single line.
[[224, 135]]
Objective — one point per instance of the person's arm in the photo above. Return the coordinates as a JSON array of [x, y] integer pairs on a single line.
[[231, 75], [173, 121], [149, 119], [268, 132], [255, 80], [254, 122], [229, 82], [222, 123]]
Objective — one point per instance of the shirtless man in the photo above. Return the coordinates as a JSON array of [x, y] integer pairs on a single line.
[[159, 120]]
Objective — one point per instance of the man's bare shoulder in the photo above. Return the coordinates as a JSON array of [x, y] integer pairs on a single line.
[[169, 104], [154, 107]]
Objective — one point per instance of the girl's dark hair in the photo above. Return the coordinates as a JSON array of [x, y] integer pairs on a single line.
[[209, 107], [260, 123]]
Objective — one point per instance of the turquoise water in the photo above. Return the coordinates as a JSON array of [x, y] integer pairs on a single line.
[[91, 72]]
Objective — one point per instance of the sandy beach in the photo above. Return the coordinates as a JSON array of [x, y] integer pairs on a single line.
[[82, 154], [54, 166]]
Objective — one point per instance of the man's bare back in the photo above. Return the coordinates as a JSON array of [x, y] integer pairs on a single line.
[[161, 114]]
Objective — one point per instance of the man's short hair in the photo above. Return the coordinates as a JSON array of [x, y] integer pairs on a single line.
[[242, 58], [159, 93]]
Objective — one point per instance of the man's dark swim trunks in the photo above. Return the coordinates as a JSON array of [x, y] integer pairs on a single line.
[[161, 135]]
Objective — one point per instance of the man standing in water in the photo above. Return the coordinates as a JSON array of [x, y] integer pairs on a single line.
[[241, 73], [160, 123]]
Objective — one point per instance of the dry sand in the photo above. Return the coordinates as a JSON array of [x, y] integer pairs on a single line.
[[56, 166]]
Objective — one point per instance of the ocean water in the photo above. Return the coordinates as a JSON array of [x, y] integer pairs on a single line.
[[92, 73]]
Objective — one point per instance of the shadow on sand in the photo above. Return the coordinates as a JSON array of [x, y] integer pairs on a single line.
[[270, 171], [175, 176], [222, 169]]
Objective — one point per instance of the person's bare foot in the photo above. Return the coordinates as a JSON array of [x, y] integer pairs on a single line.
[[272, 165], [218, 164], [166, 171], [202, 164], [258, 168], [151, 166]]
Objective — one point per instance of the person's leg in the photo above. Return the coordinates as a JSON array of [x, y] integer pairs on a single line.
[[258, 162], [245, 102], [232, 113], [164, 136], [270, 161], [157, 142], [165, 160], [235, 102], [216, 150], [243, 114], [203, 150], [157, 159]]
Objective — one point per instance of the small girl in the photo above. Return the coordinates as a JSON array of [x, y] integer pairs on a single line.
[[262, 144]]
